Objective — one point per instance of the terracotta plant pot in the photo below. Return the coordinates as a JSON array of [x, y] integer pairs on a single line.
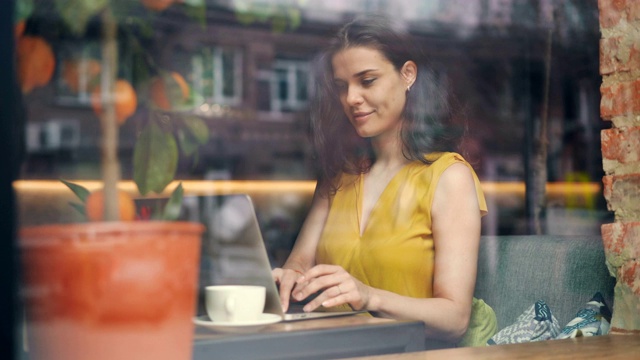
[[112, 290]]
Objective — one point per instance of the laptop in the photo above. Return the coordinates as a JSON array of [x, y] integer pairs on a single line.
[[234, 251]]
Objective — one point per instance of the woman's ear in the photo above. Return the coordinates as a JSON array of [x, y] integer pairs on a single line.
[[409, 72]]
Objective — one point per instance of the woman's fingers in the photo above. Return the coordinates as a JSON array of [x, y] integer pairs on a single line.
[[335, 287], [286, 280], [318, 278], [332, 296], [320, 270], [346, 292]]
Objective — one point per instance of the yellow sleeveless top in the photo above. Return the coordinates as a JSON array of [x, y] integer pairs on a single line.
[[395, 251]]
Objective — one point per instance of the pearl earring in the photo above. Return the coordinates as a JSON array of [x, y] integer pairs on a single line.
[[409, 88]]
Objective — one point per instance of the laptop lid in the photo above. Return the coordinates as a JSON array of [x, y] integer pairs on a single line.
[[234, 252]]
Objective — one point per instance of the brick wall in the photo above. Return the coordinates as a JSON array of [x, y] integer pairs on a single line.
[[620, 104]]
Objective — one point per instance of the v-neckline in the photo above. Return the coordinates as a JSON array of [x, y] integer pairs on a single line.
[[362, 227]]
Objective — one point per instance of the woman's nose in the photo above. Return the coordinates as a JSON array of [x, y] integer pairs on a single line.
[[353, 96]]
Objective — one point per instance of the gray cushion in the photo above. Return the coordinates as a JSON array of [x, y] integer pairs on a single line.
[[564, 271]]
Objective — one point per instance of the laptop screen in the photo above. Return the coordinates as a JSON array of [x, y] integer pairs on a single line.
[[233, 250]]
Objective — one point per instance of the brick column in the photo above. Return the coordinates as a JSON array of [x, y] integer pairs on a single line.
[[620, 104]]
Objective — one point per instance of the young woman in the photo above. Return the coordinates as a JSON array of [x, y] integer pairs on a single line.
[[394, 225]]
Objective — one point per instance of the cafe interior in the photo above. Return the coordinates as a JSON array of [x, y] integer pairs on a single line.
[[194, 104]]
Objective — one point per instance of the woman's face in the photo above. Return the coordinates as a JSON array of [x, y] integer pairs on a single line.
[[372, 91]]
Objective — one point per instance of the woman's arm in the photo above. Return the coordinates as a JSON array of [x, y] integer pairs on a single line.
[[456, 233], [302, 255]]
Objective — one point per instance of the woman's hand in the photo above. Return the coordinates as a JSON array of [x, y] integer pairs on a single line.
[[286, 280], [336, 287]]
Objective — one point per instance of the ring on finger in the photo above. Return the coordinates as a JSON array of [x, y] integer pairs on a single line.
[[339, 290]]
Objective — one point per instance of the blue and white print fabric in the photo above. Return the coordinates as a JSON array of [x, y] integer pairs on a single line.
[[591, 320], [535, 324]]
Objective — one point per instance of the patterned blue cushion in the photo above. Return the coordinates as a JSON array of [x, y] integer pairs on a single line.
[[591, 320], [535, 324]]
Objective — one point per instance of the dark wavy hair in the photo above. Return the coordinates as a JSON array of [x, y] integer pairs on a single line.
[[337, 145]]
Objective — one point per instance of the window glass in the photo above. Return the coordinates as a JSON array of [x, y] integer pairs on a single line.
[[237, 107], [291, 79], [228, 73], [217, 74]]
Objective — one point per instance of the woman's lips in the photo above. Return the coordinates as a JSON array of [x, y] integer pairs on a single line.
[[361, 115]]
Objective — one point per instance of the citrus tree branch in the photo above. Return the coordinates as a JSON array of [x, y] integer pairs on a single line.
[[110, 164]]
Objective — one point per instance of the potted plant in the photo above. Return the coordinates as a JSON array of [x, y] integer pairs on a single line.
[[113, 288]]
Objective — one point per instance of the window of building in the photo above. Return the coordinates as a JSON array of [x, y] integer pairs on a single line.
[[217, 75], [289, 85]]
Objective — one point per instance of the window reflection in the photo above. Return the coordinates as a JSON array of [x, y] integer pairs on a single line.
[[290, 81], [216, 73], [248, 65]]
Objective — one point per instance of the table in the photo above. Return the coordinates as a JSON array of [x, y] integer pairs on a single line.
[[338, 337], [610, 347]]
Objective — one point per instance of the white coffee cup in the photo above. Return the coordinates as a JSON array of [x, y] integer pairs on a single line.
[[234, 303]]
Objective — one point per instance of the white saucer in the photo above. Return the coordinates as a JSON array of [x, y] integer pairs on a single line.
[[238, 327]]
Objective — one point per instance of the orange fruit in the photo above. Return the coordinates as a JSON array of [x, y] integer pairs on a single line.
[[36, 62], [19, 28], [73, 70], [166, 91], [125, 100], [94, 206], [157, 5]]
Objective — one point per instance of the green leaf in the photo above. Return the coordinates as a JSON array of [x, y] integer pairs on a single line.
[[23, 9], [245, 18], [197, 127], [262, 11], [279, 23], [188, 143], [173, 207], [79, 207], [195, 97], [197, 10], [155, 159], [141, 70], [295, 18], [192, 134], [81, 192], [195, 2], [77, 13], [172, 89]]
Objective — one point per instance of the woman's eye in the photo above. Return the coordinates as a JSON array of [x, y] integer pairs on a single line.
[[368, 81]]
